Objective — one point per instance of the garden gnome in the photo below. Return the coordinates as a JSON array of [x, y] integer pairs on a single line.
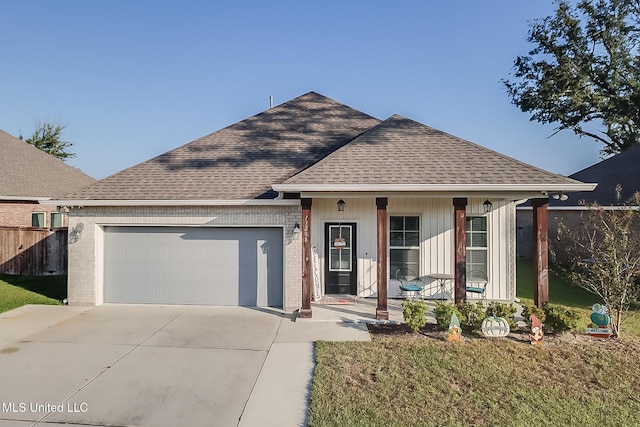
[[454, 329], [536, 330]]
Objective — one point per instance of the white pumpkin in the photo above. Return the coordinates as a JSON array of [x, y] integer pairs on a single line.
[[495, 327]]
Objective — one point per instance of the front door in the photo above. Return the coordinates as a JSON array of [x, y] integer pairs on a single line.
[[340, 255]]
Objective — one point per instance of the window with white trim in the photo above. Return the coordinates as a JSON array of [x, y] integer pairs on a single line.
[[56, 220], [477, 247], [37, 219], [404, 244]]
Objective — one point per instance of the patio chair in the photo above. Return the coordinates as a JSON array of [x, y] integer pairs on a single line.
[[409, 284], [477, 283]]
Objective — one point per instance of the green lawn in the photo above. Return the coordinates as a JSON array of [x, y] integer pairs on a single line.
[[16, 291], [426, 381], [562, 292], [429, 382]]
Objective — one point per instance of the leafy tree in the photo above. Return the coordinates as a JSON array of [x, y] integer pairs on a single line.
[[48, 138], [604, 256], [583, 72]]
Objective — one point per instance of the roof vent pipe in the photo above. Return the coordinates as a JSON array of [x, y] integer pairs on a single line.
[[270, 101]]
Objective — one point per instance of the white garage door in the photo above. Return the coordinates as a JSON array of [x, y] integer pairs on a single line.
[[189, 265]]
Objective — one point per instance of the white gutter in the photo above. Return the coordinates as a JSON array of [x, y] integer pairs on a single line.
[[507, 195], [242, 202], [581, 208], [296, 188], [26, 199]]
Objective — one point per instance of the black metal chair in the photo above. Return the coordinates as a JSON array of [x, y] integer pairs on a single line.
[[477, 283], [409, 283]]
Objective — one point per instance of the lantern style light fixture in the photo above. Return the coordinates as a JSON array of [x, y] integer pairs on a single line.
[[341, 204], [487, 206], [296, 232]]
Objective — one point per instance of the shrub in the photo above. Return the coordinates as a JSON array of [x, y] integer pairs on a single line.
[[472, 315], [507, 311], [560, 318], [528, 310], [443, 311], [554, 317], [414, 314]]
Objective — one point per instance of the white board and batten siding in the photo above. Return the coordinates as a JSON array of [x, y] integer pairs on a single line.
[[436, 238]]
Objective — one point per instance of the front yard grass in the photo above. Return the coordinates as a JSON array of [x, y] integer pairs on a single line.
[[560, 291], [16, 291], [418, 381], [563, 292], [429, 382]]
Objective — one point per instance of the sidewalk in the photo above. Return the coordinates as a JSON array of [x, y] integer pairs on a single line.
[[281, 394]]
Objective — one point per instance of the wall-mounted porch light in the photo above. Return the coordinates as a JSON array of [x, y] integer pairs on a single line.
[[295, 233], [341, 204], [487, 205], [75, 233]]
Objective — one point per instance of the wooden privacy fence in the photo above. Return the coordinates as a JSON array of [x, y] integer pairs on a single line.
[[33, 251]]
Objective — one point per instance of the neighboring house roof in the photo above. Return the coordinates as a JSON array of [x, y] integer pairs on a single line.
[[400, 151], [622, 169], [243, 160], [313, 143], [27, 173]]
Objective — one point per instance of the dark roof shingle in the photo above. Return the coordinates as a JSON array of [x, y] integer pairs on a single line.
[[31, 173], [314, 140], [403, 151], [243, 160], [620, 169]]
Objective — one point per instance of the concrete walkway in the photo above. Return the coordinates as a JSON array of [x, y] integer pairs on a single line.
[[281, 394], [118, 365], [282, 400]]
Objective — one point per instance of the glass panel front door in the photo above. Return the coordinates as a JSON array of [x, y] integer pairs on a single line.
[[340, 271]]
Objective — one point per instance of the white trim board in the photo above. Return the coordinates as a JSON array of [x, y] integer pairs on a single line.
[[241, 202]]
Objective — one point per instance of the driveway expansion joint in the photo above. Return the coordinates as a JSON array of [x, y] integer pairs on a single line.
[[135, 346]]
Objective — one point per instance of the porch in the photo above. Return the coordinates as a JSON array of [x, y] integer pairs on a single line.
[[363, 311], [359, 242]]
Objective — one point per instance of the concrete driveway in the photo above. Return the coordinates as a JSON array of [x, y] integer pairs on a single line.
[[126, 365]]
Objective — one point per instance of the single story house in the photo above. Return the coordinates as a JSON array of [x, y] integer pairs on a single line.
[[618, 180], [33, 237], [311, 196], [29, 176]]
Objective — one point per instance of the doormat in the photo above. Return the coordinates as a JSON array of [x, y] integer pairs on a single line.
[[338, 300]]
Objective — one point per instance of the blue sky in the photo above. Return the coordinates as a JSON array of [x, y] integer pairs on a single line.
[[133, 79]]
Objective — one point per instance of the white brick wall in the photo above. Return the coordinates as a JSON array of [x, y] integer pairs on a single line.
[[85, 252]]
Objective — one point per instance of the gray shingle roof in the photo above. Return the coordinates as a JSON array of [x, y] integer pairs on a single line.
[[243, 160], [28, 172], [402, 151], [623, 169]]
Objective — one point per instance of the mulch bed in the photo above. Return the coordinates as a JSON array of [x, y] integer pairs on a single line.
[[431, 331]]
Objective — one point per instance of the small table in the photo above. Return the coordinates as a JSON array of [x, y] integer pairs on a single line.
[[442, 279]]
